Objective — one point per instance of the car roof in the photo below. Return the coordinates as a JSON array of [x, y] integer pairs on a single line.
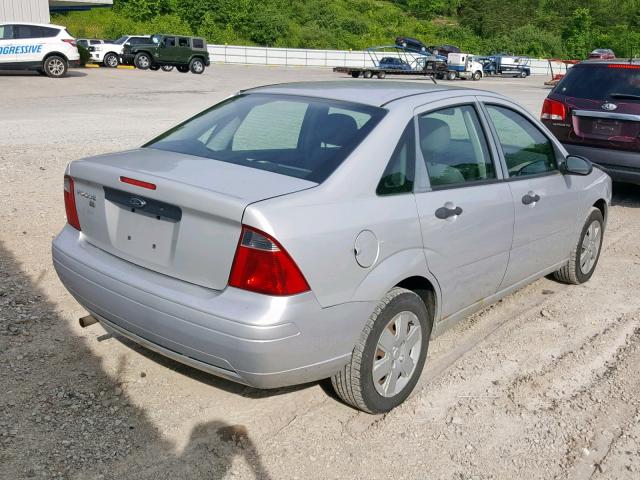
[[374, 92], [33, 24]]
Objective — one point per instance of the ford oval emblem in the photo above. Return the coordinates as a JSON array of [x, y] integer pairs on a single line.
[[137, 202], [609, 107]]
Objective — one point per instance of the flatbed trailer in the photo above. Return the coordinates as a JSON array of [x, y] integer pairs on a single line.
[[416, 62], [370, 72]]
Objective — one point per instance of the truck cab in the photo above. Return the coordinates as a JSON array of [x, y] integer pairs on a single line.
[[463, 65]]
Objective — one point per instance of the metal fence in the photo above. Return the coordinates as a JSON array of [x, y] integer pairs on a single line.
[[299, 57]]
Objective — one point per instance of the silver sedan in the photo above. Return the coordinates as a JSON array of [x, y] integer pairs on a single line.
[[306, 231]]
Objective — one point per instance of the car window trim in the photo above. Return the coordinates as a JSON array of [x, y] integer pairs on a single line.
[[421, 167], [559, 156], [415, 161]]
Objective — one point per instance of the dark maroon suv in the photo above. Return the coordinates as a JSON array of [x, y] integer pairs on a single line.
[[595, 112]]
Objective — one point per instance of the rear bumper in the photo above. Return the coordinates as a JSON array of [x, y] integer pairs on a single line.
[[261, 341], [620, 165], [126, 58]]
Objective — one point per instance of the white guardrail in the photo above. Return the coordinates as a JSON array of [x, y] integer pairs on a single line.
[[299, 57]]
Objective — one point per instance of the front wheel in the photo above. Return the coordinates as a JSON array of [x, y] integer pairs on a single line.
[[476, 76], [110, 60], [585, 255], [142, 61], [55, 66], [387, 361], [196, 65], [451, 76]]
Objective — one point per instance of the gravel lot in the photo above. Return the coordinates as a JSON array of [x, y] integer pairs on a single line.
[[542, 385]]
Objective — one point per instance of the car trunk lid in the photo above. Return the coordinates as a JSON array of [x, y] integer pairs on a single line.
[[183, 220]]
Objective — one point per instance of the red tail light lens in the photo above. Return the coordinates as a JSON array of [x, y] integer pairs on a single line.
[[626, 66], [261, 265], [70, 203], [70, 41], [553, 110]]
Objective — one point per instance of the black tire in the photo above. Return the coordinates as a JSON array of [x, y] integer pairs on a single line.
[[167, 68], [523, 74], [110, 60], [197, 66], [476, 76], [354, 384], [381, 75], [183, 68], [154, 68], [355, 74], [55, 66], [573, 272], [451, 76], [367, 74], [142, 61]]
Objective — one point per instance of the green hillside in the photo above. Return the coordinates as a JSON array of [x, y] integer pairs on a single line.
[[555, 28]]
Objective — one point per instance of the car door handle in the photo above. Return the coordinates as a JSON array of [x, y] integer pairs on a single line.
[[528, 199], [443, 212]]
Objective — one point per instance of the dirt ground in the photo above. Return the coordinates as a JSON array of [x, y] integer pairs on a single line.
[[542, 385]]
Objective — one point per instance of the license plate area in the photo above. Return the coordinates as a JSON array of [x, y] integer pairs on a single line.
[[140, 227], [606, 128]]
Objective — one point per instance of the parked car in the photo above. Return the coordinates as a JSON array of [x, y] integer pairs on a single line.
[[394, 63], [108, 53], [411, 44], [445, 50], [602, 54], [184, 53], [595, 112], [87, 42], [48, 49], [302, 231]]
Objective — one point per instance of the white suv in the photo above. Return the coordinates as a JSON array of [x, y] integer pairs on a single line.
[[48, 49], [108, 53]]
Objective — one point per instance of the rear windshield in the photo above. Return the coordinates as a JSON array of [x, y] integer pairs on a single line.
[[600, 82], [296, 136]]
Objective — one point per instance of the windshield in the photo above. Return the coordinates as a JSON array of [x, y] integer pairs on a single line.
[[601, 82], [121, 40], [296, 136]]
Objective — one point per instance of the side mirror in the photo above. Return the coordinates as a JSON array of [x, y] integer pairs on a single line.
[[575, 165]]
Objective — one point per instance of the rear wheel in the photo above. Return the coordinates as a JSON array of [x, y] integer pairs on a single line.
[[142, 61], [55, 66], [523, 74], [196, 65], [110, 60], [355, 74], [387, 361], [381, 75], [451, 76], [584, 256], [367, 74]]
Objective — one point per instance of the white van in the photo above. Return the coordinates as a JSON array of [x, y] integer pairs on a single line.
[[48, 49]]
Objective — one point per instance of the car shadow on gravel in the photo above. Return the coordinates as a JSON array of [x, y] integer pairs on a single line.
[[62, 416], [626, 195]]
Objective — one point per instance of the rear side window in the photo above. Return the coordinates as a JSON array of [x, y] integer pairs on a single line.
[[600, 82], [296, 136], [454, 147], [95, 42], [183, 42], [46, 32], [399, 175], [198, 43], [6, 32], [527, 151]]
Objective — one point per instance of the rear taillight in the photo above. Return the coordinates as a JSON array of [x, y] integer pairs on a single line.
[[70, 41], [261, 265], [70, 203], [553, 110]]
